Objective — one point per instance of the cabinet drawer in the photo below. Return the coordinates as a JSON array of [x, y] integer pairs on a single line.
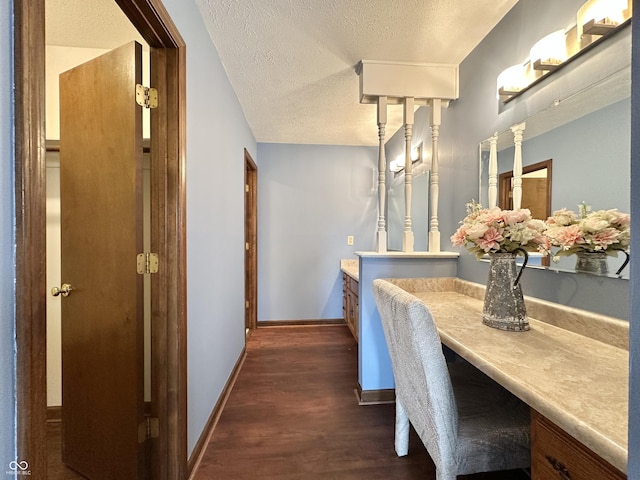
[[555, 455]]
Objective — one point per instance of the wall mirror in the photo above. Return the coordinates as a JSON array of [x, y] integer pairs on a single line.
[[587, 135], [419, 203], [536, 189]]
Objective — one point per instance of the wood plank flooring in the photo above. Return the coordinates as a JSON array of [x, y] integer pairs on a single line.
[[293, 414]]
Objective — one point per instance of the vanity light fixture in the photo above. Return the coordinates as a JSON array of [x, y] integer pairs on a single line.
[[418, 155], [397, 165], [549, 52], [599, 17], [595, 20], [512, 80]]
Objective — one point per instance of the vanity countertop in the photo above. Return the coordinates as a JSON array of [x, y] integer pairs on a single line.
[[350, 267], [578, 382]]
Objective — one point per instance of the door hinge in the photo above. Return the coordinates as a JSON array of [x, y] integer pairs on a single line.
[[246, 246], [147, 263], [246, 304], [246, 188], [153, 427], [146, 97], [149, 429]]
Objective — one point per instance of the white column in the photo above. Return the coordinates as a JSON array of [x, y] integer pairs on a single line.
[[407, 237], [518, 131], [493, 171], [381, 238], [436, 120]]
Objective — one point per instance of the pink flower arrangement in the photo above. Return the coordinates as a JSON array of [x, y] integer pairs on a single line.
[[601, 231], [495, 230]]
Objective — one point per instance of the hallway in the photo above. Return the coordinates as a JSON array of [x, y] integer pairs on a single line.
[[293, 414]]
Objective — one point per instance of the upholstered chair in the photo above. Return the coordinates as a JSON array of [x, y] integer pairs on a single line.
[[467, 422]]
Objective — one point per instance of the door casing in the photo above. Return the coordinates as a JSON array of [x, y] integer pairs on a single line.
[[251, 241], [168, 233]]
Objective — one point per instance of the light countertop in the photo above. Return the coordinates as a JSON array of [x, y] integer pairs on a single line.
[[350, 267], [579, 382]]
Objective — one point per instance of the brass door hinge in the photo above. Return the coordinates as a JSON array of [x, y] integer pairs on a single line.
[[147, 263], [146, 97], [153, 427], [148, 429]]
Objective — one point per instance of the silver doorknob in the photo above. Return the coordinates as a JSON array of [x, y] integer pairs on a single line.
[[64, 290]]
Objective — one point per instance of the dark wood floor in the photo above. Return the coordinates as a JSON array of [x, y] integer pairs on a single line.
[[55, 468], [293, 414]]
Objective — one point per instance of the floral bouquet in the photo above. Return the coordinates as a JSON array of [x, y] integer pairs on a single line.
[[607, 231], [495, 230]]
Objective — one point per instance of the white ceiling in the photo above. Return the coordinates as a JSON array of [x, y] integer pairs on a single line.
[[292, 62], [87, 23]]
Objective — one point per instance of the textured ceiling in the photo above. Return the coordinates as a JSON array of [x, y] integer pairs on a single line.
[[292, 62], [88, 24]]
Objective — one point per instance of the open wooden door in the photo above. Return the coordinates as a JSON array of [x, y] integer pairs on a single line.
[[101, 224]]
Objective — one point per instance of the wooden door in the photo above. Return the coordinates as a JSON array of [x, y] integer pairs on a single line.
[[251, 243], [101, 224], [534, 197]]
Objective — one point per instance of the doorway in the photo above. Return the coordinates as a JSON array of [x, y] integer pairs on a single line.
[[536, 192], [251, 243], [536, 189], [169, 452]]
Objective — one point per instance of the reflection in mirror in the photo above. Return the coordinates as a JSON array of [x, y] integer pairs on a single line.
[[579, 115], [536, 189], [591, 164], [419, 200], [419, 210], [536, 192]]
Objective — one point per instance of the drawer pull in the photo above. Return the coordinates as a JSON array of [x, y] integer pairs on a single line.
[[559, 467]]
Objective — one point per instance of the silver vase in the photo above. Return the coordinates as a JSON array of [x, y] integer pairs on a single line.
[[594, 263], [504, 306]]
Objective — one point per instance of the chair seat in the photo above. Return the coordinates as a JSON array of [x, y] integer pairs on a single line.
[[494, 425]]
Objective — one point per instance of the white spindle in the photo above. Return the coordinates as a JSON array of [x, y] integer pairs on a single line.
[[382, 173], [407, 237], [518, 131], [493, 171], [436, 120]]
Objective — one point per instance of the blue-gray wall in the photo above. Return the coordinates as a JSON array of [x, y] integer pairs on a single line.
[[217, 133], [310, 198], [7, 251]]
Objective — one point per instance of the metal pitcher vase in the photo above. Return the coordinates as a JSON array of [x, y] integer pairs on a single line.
[[504, 306]]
